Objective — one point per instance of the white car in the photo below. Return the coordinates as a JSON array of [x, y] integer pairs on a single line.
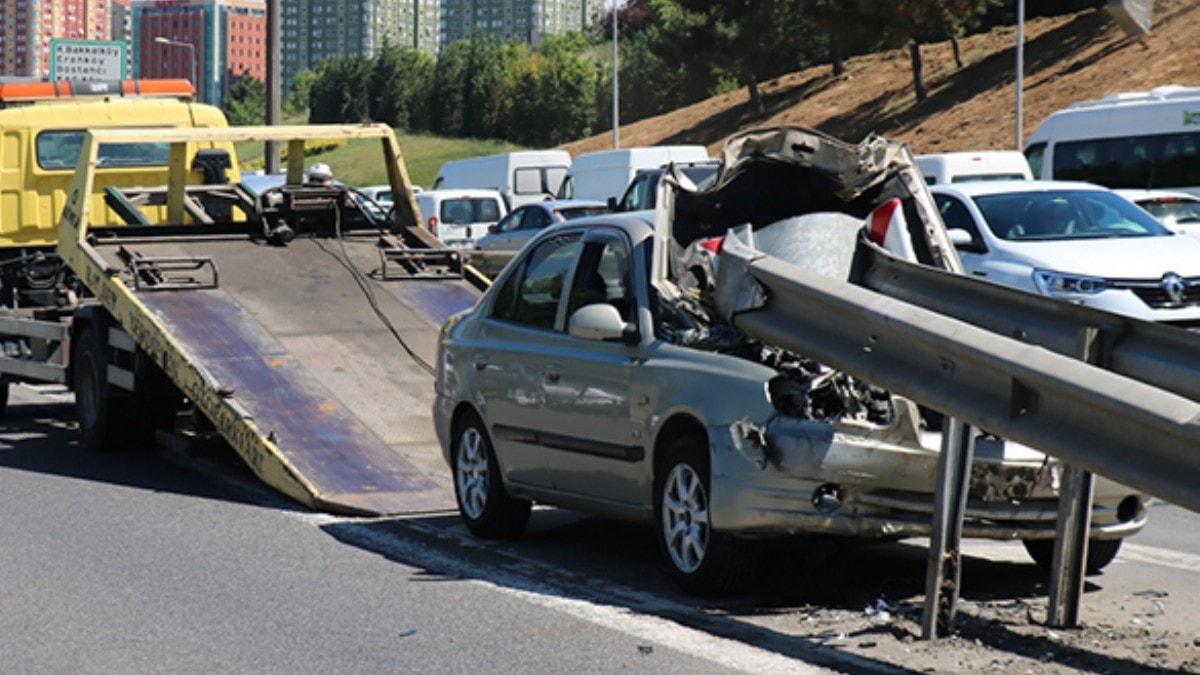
[[964, 167], [460, 218], [1179, 211], [1077, 242]]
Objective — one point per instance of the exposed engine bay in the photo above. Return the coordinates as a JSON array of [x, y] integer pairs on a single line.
[[803, 198]]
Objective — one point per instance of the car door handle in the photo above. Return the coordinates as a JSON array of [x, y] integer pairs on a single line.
[[553, 376], [481, 364], [979, 273]]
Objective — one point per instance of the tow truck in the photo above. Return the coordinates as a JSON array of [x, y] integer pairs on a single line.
[[294, 322]]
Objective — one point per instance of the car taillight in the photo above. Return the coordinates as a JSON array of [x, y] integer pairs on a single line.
[[713, 245], [433, 222], [881, 219]]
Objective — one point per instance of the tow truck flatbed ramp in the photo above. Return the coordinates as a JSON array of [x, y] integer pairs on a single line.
[[308, 358]]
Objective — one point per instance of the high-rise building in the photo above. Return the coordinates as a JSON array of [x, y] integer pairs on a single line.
[[121, 19], [527, 20], [316, 30], [221, 40], [28, 26]]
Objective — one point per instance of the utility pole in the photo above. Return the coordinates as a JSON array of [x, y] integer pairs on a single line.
[[1020, 130], [616, 96], [274, 83]]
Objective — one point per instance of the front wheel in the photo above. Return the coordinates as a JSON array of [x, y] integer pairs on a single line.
[[483, 502], [1100, 553], [702, 561]]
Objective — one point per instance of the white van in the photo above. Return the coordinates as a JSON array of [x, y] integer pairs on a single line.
[[605, 174], [522, 177], [460, 217], [963, 167], [1141, 140]]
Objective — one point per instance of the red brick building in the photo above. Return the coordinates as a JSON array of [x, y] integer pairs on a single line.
[[227, 37]]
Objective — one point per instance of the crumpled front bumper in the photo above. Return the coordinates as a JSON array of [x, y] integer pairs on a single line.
[[815, 479]]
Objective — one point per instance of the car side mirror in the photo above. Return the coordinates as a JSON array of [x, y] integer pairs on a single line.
[[963, 240], [600, 321], [494, 228], [612, 203]]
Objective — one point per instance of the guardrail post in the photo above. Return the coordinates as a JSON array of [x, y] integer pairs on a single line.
[[1070, 547], [944, 571], [1069, 563]]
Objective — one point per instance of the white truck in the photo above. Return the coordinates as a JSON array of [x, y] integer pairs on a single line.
[[522, 177], [963, 167], [1139, 140], [604, 175]]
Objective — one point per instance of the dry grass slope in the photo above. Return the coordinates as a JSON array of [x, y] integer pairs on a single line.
[[1068, 59]]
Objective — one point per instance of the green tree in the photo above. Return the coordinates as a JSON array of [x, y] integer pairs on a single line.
[[401, 86], [341, 91], [298, 92], [246, 102]]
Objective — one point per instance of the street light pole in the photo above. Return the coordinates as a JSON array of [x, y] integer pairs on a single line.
[[1020, 130], [274, 83], [616, 95], [191, 52]]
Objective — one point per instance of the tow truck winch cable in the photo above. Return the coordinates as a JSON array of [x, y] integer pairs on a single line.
[[364, 284]]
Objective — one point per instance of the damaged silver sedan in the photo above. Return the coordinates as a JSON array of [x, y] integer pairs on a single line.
[[599, 373]]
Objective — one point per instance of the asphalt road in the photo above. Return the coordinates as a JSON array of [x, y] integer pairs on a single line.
[[153, 561]]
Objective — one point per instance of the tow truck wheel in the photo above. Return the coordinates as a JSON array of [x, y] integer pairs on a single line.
[[98, 409], [701, 560], [1100, 553], [484, 504]]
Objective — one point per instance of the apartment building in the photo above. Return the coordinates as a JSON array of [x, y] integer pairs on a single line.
[[28, 26], [211, 42], [526, 20], [316, 30]]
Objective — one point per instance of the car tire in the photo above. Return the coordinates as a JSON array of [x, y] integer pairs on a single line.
[[1101, 552], [104, 419], [484, 504], [700, 560]]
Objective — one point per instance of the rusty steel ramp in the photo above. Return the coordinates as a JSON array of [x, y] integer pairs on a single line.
[[294, 342]]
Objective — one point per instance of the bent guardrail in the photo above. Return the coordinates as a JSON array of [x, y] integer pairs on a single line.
[[1121, 424]]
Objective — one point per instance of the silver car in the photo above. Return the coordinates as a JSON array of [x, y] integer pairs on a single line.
[[592, 376]]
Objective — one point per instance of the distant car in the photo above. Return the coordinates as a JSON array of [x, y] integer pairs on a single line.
[[1077, 242], [964, 167], [460, 217], [641, 195], [1179, 211], [518, 227]]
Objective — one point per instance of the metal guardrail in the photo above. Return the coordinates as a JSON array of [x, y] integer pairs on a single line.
[[1124, 425]]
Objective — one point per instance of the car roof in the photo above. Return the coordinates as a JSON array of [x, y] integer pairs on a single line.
[[553, 204], [997, 187], [637, 225], [459, 193], [1144, 195]]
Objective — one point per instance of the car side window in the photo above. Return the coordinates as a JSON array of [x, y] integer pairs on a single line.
[[512, 221], [533, 299], [602, 276], [957, 217], [1035, 155], [535, 219]]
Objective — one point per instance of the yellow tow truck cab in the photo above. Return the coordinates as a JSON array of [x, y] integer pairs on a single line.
[[42, 127]]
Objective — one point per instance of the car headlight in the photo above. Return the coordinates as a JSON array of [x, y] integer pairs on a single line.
[[1058, 283]]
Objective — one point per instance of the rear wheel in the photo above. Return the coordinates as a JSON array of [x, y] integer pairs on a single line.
[[701, 560], [1101, 552], [103, 414], [483, 502]]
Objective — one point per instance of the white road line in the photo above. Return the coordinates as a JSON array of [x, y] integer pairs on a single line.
[[643, 627], [1130, 552]]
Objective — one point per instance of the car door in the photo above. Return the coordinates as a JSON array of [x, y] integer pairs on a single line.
[[956, 215], [592, 447], [513, 355], [506, 235], [534, 222]]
